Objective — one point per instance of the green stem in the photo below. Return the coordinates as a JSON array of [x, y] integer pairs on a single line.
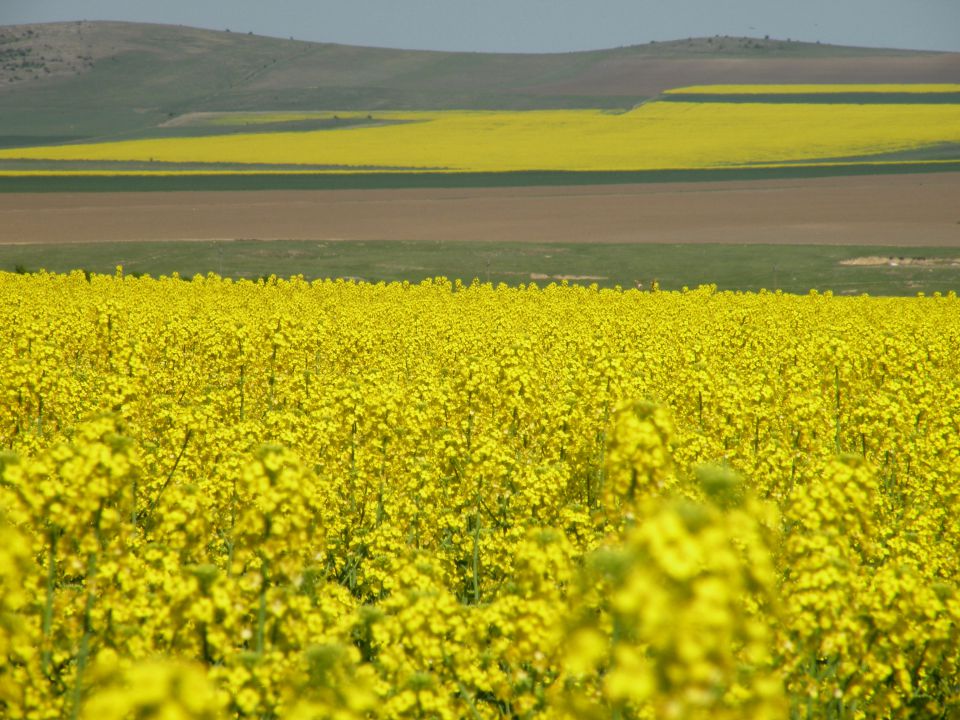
[[133, 506], [470, 430], [272, 380], [241, 385], [476, 553], [233, 525], [262, 609], [84, 653], [474, 713], [45, 656], [176, 464], [836, 383]]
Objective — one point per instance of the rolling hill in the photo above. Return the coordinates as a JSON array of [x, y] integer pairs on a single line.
[[80, 80]]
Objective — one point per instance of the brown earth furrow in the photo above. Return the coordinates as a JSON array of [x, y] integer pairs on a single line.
[[905, 210]]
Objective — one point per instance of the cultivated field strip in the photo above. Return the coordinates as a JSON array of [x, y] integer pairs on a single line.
[[723, 130], [917, 210]]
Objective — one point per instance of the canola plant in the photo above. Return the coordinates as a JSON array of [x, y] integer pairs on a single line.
[[293, 499]]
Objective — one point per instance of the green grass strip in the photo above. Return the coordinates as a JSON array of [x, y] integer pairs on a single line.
[[791, 268]]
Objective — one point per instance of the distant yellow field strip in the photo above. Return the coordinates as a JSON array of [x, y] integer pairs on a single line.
[[816, 88], [258, 171], [652, 137], [253, 118]]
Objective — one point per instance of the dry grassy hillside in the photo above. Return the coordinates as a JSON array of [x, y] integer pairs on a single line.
[[84, 79]]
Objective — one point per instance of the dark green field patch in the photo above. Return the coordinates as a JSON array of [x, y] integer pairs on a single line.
[[399, 180], [937, 153], [15, 141], [211, 129]]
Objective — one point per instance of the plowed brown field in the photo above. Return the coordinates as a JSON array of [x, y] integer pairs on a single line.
[[903, 210]]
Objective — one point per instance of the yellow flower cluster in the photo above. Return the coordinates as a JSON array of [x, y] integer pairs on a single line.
[[653, 136], [292, 499], [803, 89]]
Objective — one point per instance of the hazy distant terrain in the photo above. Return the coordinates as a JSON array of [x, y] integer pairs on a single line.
[[850, 225], [78, 80]]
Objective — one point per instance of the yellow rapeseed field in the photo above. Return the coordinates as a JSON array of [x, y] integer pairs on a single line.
[[804, 89], [658, 135], [292, 499]]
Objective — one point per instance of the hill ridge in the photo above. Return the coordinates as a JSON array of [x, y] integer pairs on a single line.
[[676, 42], [86, 78]]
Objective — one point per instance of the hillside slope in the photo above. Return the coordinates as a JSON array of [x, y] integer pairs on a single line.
[[89, 79]]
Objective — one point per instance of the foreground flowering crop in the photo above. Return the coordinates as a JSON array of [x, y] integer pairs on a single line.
[[314, 500]]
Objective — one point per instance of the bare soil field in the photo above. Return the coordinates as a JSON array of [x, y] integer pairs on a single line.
[[896, 211], [897, 261]]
